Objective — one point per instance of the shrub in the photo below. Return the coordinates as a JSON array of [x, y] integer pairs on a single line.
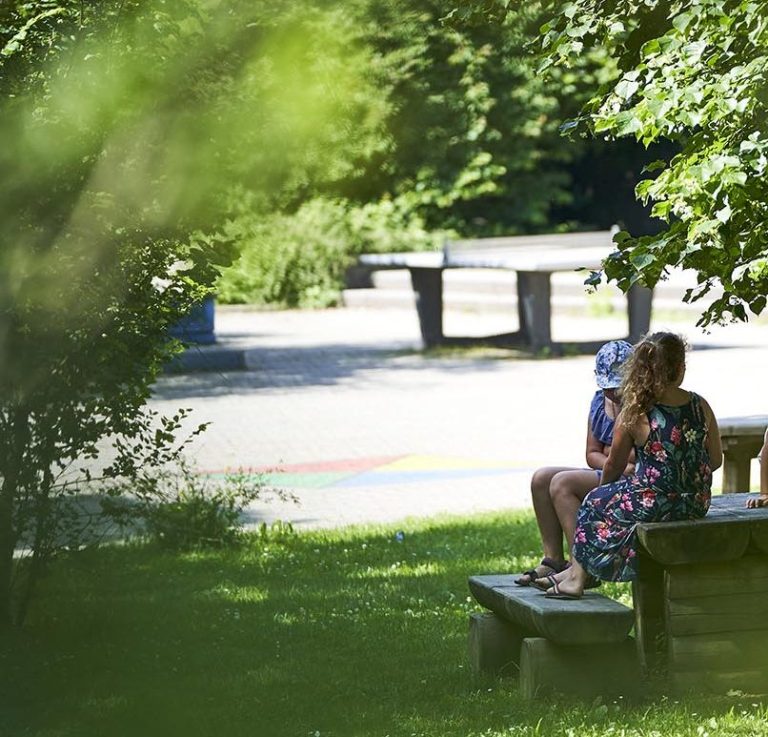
[[291, 260], [299, 259], [182, 510]]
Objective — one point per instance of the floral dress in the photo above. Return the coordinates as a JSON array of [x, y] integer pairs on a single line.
[[672, 481]]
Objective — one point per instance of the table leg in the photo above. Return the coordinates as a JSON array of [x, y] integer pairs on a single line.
[[736, 466], [428, 286], [639, 300], [534, 293], [650, 616]]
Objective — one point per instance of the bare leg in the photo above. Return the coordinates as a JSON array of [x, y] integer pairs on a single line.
[[567, 490], [546, 516]]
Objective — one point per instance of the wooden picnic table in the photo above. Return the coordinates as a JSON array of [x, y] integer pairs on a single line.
[[534, 259], [701, 599], [742, 438]]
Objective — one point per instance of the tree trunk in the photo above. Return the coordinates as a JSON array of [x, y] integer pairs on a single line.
[[7, 545], [40, 547], [16, 442]]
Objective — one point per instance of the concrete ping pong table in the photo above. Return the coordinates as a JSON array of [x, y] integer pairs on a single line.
[[534, 259]]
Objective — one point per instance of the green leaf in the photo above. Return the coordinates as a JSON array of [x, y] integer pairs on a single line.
[[681, 22], [661, 210], [626, 88], [641, 260], [650, 48], [621, 237], [757, 305], [724, 214], [627, 122], [657, 165]]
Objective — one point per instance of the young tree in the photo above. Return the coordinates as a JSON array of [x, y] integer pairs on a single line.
[[134, 125], [693, 71]]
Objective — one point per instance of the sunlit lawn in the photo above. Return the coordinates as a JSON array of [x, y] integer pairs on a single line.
[[337, 634]]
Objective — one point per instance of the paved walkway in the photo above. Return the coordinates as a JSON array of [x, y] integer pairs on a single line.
[[363, 427]]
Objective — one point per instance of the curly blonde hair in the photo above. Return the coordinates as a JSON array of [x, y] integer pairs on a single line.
[[655, 364]]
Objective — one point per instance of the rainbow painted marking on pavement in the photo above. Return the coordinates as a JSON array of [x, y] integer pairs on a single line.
[[381, 471]]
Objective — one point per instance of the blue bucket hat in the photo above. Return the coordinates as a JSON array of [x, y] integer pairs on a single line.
[[608, 363]]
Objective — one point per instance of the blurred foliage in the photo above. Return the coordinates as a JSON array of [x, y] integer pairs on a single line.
[[466, 142], [135, 127]]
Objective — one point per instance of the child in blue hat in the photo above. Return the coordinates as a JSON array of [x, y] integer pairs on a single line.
[[557, 491], [676, 440]]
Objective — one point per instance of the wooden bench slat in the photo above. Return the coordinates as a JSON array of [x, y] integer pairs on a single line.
[[693, 542], [719, 579], [733, 613], [593, 619]]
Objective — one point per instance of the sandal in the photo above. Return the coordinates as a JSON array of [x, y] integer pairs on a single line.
[[556, 593], [552, 566], [545, 583]]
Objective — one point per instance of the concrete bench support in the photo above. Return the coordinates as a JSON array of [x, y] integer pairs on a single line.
[[580, 648], [428, 289], [582, 670], [639, 303], [494, 645], [534, 294]]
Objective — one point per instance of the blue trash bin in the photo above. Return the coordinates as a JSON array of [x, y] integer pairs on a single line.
[[198, 326]]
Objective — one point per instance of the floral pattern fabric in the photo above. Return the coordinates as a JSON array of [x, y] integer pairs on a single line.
[[672, 481]]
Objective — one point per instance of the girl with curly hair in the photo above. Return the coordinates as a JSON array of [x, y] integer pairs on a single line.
[[676, 440]]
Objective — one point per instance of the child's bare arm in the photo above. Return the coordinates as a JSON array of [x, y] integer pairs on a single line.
[[714, 446], [762, 500], [596, 455], [619, 455]]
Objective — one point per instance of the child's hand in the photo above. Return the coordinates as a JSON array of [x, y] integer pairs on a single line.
[[755, 502]]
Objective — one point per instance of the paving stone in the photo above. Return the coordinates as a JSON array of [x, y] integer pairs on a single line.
[[352, 384]]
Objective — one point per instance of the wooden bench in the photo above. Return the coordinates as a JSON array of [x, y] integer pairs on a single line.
[[534, 259], [742, 438], [580, 648], [700, 616], [701, 599]]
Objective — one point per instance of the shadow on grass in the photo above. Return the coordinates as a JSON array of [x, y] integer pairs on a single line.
[[352, 633]]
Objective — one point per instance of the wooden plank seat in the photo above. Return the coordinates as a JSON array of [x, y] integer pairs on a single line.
[[595, 619], [553, 644]]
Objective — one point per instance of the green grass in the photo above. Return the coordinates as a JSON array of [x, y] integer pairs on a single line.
[[339, 634]]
